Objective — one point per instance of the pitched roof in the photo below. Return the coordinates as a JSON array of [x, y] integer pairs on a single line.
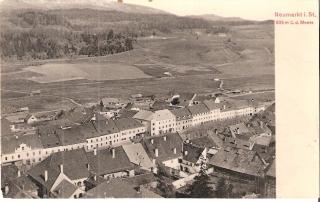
[[103, 163], [70, 136], [182, 114], [198, 109], [74, 167], [137, 155], [64, 189], [238, 160], [193, 152], [99, 128], [5, 127], [78, 115], [204, 141], [115, 188], [272, 170], [165, 147], [8, 172], [127, 123], [163, 115], [211, 105], [144, 115], [10, 143]]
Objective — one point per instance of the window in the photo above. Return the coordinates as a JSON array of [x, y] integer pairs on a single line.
[[22, 148], [6, 158]]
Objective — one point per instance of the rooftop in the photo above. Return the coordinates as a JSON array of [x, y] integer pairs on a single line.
[[198, 109], [182, 113], [137, 155], [10, 143]]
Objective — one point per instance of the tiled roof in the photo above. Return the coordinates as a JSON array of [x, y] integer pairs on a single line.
[[115, 188], [127, 123], [99, 128], [204, 141], [103, 163], [74, 167], [64, 189], [193, 152], [198, 109], [10, 143], [238, 160], [182, 114], [137, 155], [70, 136], [165, 147]]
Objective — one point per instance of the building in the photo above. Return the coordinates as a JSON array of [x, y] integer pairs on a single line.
[[22, 149], [164, 150], [270, 181], [183, 118], [158, 122], [62, 168], [110, 163], [138, 156], [238, 164], [193, 158], [214, 107], [130, 129], [200, 114]]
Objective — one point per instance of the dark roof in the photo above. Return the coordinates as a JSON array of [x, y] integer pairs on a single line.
[[125, 113], [5, 127], [193, 152], [64, 189], [78, 115], [165, 147], [10, 143], [182, 114], [204, 141], [198, 109], [103, 163], [142, 179], [127, 123], [8, 172], [238, 160], [115, 188], [99, 128], [271, 171], [74, 167], [70, 136]]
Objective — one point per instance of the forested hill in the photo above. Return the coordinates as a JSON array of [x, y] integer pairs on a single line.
[[44, 34]]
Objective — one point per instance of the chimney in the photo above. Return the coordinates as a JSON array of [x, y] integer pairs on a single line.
[[156, 152], [95, 177], [113, 153], [216, 131], [95, 151], [151, 141], [61, 168], [19, 173], [175, 150], [224, 106], [165, 138], [261, 124], [88, 166], [238, 131], [6, 189], [45, 175], [185, 153]]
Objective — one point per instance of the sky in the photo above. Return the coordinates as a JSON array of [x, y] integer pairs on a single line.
[[247, 9]]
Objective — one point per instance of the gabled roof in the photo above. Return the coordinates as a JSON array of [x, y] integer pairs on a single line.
[[238, 160], [78, 115], [99, 128], [64, 189], [211, 105], [137, 155], [74, 167], [144, 115], [204, 141], [127, 123], [165, 147], [8, 172], [193, 152], [115, 188], [181, 114], [10, 143], [198, 109], [70, 136], [103, 163], [272, 170]]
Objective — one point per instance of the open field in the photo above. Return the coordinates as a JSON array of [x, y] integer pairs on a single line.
[[246, 63]]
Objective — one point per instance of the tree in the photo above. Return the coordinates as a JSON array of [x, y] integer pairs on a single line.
[[200, 188]]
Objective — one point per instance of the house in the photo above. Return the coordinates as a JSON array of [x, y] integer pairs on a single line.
[[110, 163], [238, 163], [208, 142], [40, 117], [270, 181], [200, 114], [214, 107], [165, 150], [130, 129], [22, 148], [138, 156], [114, 188], [17, 117], [78, 115], [241, 137], [71, 166], [183, 118], [65, 189], [157, 122], [193, 158], [100, 134]]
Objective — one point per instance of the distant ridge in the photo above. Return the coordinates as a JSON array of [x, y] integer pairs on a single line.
[[67, 4]]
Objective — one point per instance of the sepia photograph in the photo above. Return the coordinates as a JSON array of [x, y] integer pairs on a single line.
[[137, 99]]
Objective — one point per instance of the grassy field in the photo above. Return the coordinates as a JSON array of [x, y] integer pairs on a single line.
[[244, 59]]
